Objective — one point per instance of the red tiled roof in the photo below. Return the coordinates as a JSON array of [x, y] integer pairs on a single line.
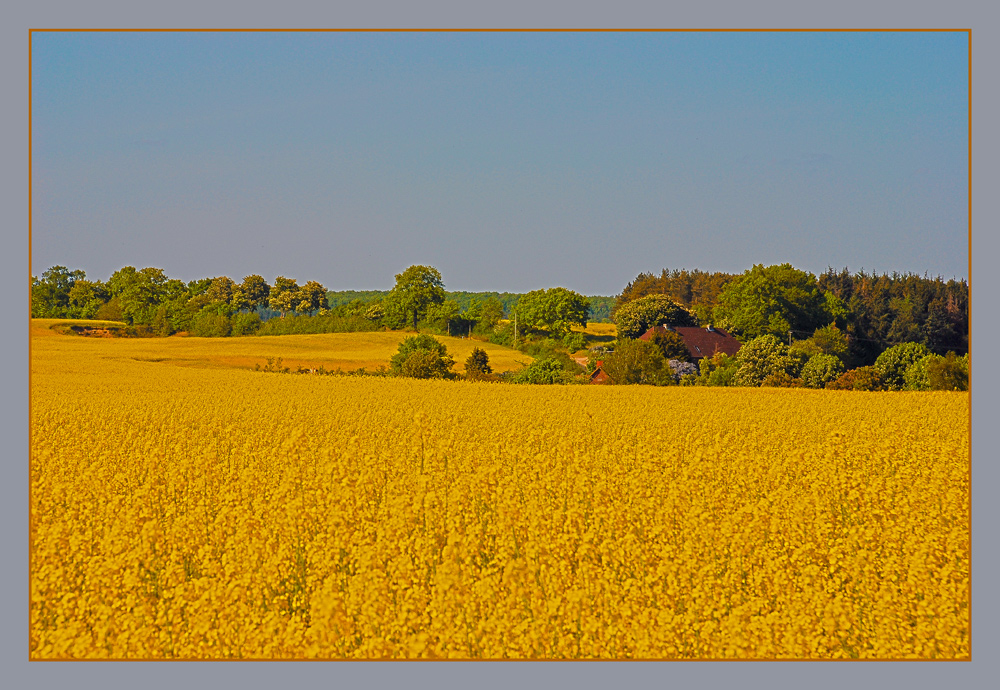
[[701, 342], [599, 376]]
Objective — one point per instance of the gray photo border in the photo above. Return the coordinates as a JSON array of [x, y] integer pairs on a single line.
[[963, 14]]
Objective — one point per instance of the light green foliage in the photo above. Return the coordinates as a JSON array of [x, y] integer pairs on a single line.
[[416, 289], [209, 324], [85, 299], [821, 369], [555, 309], [638, 362], [893, 363], [50, 295], [718, 370], [762, 357], [574, 342], [443, 315], [141, 292], [542, 371], [771, 301], [827, 340], [422, 357], [638, 316], [915, 378]]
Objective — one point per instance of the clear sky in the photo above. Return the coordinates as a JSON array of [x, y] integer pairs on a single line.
[[509, 161]]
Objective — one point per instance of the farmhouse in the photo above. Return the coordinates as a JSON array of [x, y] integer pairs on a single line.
[[700, 342]]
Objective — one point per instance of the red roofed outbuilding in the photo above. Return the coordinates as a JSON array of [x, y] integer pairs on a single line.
[[700, 342]]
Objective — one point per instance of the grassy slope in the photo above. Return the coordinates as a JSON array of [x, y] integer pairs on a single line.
[[347, 351]]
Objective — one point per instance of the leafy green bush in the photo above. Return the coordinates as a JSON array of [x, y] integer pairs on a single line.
[[210, 324], [718, 370], [246, 323], [422, 357], [821, 369], [541, 371], [574, 342], [893, 363], [638, 362], [915, 378], [762, 357]]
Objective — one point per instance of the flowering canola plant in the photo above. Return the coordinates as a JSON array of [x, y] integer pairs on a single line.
[[186, 513]]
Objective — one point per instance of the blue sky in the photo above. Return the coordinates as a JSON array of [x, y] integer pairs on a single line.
[[509, 161]]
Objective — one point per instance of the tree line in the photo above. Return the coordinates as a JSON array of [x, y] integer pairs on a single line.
[[151, 303], [874, 312], [841, 330]]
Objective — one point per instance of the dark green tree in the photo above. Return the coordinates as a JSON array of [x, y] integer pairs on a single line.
[[772, 300], [555, 310], [477, 366], [50, 295], [254, 291], [310, 297], [718, 370], [416, 289]]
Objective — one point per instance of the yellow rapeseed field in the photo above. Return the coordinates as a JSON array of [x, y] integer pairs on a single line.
[[210, 513]]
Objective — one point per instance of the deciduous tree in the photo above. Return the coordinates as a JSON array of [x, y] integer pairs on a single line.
[[416, 289]]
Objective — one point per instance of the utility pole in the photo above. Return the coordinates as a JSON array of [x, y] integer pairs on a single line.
[[515, 329], [789, 338]]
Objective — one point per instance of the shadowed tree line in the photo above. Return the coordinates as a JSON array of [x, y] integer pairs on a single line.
[[874, 311]]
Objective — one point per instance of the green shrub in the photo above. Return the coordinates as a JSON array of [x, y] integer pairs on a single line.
[[638, 362], [422, 357], [915, 378], [208, 324], [574, 342], [246, 323], [541, 371], [821, 369], [718, 370], [893, 363], [762, 357], [949, 373]]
